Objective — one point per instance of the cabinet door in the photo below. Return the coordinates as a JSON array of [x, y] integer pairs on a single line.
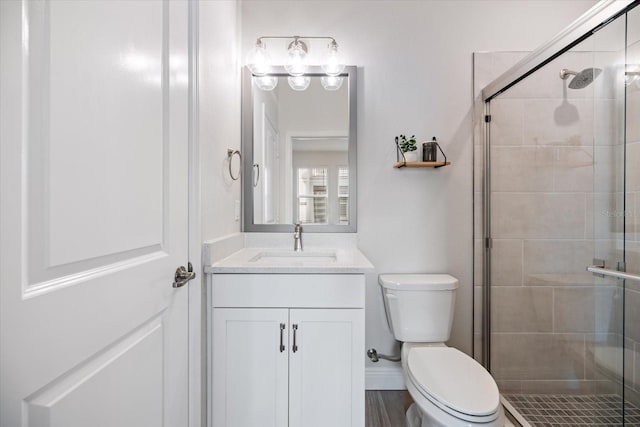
[[250, 369], [326, 376]]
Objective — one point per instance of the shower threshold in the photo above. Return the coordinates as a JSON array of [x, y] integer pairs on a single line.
[[541, 410]]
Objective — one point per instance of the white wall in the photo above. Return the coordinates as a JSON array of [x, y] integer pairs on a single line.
[[219, 118], [414, 63]]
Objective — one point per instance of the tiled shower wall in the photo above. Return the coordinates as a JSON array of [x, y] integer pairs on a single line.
[[556, 202]]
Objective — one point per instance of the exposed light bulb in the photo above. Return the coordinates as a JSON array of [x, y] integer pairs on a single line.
[[332, 64], [299, 83], [331, 82], [266, 82], [258, 59], [296, 58]]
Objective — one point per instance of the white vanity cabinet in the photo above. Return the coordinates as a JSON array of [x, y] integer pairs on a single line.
[[287, 350]]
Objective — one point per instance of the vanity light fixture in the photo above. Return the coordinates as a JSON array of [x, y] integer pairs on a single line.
[[259, 62], [296, 64], [332, 64]]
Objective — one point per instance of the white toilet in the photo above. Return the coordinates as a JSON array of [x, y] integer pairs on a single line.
[[449, 388]]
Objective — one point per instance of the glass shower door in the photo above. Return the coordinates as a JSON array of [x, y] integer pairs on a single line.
[[559, 197]]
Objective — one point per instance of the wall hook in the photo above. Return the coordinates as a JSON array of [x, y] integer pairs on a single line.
[[230, 154]]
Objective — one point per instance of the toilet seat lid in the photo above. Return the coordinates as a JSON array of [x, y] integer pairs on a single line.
[[454, 379]]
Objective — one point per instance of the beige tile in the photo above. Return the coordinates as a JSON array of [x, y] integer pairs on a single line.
[[609, 250], [478, 262], [537, 356], [636, 367], [631, 218], [478, 167], [605, 358], [507, 121], [609, 121], [568, 387], [633, 166], [633, 36], [632, 395], [522, 168], [521, 309], [633, 111], [632, 315], [559, 122], [506, 262], [608, 169], [478, 215], [603, 215], [589, 216], [557, 256], [478, 123], [573, 169], [567, 279], [477, 347], [632, 257], [510, 386], [587, 309], [477, 309], [608, 85], [538, 215]]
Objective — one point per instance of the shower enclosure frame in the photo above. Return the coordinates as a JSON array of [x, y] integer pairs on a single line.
[[598, 17]]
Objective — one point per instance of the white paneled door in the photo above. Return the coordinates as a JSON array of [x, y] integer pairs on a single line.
[[93, 211]]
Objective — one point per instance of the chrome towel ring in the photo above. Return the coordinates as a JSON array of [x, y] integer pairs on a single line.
[[230, 154]]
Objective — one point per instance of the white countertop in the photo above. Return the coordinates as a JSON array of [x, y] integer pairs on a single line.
[[276, 260]]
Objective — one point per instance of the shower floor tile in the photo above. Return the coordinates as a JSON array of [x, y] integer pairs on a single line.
[[567, 410]]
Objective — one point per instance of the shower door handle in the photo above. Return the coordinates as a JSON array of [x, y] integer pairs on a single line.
[[596, 269]]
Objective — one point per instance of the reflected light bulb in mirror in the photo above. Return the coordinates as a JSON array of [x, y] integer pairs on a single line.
[[632, 74], [332, 64], [331, 82], [296, 58], [299, 82], [266, 82], [258, 59]]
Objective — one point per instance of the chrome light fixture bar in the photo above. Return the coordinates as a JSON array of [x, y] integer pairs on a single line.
[[259, 62]]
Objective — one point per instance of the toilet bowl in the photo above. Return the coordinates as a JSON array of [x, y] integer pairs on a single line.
[[449, 388]]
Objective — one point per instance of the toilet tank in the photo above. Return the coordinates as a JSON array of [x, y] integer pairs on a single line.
[[419, 307]]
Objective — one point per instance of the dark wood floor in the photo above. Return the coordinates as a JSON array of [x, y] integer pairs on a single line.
[[386, 408]]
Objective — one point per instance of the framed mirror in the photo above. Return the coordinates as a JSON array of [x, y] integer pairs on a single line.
[[299, 151]]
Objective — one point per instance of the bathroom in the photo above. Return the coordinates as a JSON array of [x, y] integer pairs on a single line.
[[421, 67]]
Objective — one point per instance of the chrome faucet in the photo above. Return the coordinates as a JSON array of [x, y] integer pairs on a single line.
[[297, 238]]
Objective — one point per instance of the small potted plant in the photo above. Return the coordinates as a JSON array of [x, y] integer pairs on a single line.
[[409, 148]]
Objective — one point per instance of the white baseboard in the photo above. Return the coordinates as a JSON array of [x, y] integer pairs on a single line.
[[384, 378]]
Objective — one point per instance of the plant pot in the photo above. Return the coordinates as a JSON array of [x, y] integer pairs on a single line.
[[412, 156]]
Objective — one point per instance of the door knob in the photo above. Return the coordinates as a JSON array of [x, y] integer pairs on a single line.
[[183, 275]]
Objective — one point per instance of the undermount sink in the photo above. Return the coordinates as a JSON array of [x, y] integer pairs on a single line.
[[290, 257]]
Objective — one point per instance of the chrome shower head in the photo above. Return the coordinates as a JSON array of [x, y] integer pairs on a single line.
[[582, 79]]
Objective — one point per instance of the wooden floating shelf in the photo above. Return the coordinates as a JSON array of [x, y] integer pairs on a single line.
[[420, 164]]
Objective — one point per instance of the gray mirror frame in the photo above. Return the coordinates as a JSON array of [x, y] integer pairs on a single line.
[[350, 72]]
